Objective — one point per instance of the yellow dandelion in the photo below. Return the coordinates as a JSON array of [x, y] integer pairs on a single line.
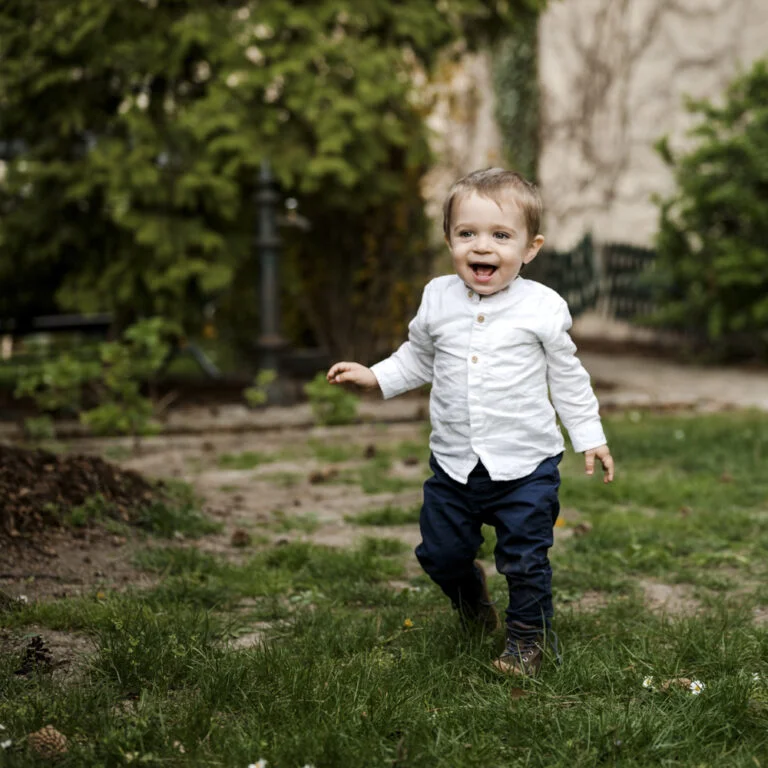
[[407, 624]]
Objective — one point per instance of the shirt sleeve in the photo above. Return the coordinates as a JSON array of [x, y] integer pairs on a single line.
[[412, 364], [569, 384]]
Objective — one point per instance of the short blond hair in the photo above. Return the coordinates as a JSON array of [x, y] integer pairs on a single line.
[[492, 182]]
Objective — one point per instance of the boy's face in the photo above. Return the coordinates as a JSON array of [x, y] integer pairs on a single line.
[[489, 241]]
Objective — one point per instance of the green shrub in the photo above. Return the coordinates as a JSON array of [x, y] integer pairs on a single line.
[[331, 405], [258, 394], [106, 393], [39, 428], [713, 236]]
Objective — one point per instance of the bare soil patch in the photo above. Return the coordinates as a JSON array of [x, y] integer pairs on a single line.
[[287, 497], [672, 599], [66, 563], [38, 650]]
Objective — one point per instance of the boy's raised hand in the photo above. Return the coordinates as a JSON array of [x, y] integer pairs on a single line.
[[603, 455], [341, 373]]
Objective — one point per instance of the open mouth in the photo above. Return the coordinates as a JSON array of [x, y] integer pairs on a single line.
[[483, 272]]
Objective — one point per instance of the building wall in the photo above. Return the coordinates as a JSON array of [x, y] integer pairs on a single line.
[[614, 74]]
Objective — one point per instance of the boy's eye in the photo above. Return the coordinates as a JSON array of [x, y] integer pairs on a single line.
[[502, 236], [465, 233]]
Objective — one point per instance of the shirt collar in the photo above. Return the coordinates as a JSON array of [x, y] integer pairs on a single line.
[[499, 297]]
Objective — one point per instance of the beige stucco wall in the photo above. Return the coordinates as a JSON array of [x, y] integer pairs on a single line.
[[614, 74]]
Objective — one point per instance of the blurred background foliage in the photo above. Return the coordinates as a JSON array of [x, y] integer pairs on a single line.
[[712, 267], [516, 85], [133, 131]]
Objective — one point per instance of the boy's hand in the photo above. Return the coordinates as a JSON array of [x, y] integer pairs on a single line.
[[603, 455], [355, 373]]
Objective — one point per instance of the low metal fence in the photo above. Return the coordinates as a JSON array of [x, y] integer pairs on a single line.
[[615, 277]]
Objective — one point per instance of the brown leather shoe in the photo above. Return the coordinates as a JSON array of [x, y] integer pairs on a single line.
[[482, 615], [522, 659]]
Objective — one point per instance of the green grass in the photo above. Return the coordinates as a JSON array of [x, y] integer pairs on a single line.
[[283, 523], [375, 476], [179, 513], [342, 681], [176, 511], [282, 479], [388, 515], [244, 460], [334, 452], [679, 505]]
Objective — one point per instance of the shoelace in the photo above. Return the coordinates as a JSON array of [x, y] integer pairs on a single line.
[[525, 652]]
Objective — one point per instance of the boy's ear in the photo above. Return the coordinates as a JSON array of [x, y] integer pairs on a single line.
[[533, 248]]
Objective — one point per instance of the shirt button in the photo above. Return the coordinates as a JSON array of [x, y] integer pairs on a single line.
[[481, 318], [474, 358], [469, 294]]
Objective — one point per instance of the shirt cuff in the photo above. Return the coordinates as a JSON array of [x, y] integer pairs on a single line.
[[587, 436], [390, 378]]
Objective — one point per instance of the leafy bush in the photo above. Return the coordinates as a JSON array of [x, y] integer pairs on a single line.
[[39, 427], [258, 394], [713, 238], [113, 382], [331, 405]]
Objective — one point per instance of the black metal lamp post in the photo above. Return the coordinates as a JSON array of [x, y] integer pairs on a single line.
[[267, 243]]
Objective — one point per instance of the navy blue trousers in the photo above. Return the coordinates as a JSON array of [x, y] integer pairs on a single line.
[[522, 511]]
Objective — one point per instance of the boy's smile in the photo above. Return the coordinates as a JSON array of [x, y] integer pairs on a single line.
[[489, 242]]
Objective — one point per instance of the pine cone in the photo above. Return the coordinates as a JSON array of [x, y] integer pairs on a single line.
[[48, 742], [37, 657]]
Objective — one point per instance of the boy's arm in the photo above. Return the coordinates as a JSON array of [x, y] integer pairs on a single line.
[[572, 393], [408, 368], [411, 365]]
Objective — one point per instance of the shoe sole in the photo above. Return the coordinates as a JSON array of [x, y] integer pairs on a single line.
[[512, 670]]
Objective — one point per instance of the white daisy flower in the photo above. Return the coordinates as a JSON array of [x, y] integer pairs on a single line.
[[243, 13], [696, 687], [142, 100], [261, 763], [5, 744], [648, 682]]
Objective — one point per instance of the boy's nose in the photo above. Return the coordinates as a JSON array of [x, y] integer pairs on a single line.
[[482, 245]]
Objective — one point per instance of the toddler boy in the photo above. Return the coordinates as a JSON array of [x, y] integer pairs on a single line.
[[495, 348]]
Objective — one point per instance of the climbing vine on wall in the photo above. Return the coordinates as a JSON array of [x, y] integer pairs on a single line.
[[515, 81]]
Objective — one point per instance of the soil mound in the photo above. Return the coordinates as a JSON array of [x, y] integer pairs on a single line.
[[36, 486]]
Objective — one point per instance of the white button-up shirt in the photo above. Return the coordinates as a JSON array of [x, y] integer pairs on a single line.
[[494, 362]]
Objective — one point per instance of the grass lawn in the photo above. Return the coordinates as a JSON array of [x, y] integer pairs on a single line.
[[352, 672]]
